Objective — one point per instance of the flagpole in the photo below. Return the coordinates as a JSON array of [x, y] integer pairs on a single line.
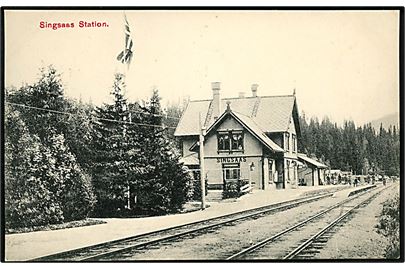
[[125, 69]]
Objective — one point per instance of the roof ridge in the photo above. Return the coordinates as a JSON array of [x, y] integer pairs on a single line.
[[276, 96], [228, 98], [200, 100], [258, 97]]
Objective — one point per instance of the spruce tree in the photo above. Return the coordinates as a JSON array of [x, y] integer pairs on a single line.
[[116, 147], [164, 185]]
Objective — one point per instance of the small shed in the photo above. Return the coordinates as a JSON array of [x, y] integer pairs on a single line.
[[312, 172]]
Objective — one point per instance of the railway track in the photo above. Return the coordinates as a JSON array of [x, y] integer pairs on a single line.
[[107, 250], [304, 239]]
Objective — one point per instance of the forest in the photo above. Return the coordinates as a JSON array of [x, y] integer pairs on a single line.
[[361, 150]]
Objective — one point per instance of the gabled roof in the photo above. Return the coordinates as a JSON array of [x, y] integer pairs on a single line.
[[270, 113], [188, 124], [311, 161], [250, 125]]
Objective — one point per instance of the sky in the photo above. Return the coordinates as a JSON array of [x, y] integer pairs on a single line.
[[342, 64]]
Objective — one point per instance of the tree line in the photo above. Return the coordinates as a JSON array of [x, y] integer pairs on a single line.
[[66, 160], [362, 149]]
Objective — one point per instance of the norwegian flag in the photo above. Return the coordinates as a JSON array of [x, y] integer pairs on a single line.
[[125, 56]]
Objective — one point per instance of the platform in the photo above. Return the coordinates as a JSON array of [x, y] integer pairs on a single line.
[[26, 246]]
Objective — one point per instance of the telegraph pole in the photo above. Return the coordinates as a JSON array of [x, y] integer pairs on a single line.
[[202, 169]]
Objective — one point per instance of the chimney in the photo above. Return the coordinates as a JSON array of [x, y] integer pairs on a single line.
[[254, 89], [241, 94], [216, 99]]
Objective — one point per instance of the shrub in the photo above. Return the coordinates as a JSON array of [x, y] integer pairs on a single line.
[[43, 185], [231, 190], [388, 226], [196, 189], [29, 200], [75, 193]]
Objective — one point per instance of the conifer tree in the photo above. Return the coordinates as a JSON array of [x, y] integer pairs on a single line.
[[164, 185], [117, 159], [108, 138]]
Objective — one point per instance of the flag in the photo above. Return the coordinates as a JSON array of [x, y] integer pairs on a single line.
[[125, 56]]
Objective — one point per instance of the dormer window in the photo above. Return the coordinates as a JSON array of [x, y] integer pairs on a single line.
[[230, 141]]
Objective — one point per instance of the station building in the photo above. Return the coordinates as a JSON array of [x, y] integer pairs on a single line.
[[250, 138]]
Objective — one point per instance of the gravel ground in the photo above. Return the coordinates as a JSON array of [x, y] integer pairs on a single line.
[[358, 239], [225, 241]]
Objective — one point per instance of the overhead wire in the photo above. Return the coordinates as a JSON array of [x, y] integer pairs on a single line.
[[155, 114], [93, 117]]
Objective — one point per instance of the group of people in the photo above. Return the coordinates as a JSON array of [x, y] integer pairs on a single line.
[[355, 182]]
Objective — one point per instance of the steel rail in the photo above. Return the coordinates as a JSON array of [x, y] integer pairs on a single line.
[[200, 229], [292, 228], [332, 224], [245, 214]]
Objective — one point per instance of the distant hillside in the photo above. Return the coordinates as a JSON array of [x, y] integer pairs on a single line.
[[387, 121]]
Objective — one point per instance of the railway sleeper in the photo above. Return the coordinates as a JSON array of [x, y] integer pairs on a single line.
[[312, 250], [304, 256], [318, 244], [322, 240]]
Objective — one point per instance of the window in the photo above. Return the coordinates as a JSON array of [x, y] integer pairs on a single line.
[[287, 142], [294, 143], [231, 141], [270, 171], [223, 142], [237, 141], [231, 171]]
